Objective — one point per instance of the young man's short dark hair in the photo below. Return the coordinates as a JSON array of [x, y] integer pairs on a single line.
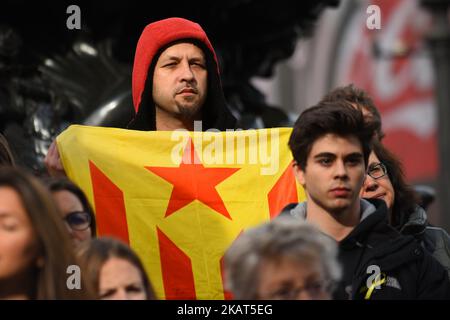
[[337, 117], [361, 100]]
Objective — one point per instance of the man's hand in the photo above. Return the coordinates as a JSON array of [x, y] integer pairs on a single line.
[[53, 162]]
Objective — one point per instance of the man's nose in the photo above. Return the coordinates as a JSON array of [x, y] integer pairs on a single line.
[[340, 169], [186, 72]]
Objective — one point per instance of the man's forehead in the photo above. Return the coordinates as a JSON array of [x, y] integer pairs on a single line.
[[181, 49], [336, 144]]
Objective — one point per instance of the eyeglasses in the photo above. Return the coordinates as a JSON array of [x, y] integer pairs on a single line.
[[377, 171], [314, 289], [78, 220]]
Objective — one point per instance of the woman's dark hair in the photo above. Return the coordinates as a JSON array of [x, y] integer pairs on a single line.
[[337, 117], [6, 156], [64, 184], [361, 100], [94, 254], [405, 200]]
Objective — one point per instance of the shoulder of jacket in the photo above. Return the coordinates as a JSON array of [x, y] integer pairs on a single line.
[[287, 209]]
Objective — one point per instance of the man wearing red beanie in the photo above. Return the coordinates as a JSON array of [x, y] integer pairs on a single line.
[[176, 79]]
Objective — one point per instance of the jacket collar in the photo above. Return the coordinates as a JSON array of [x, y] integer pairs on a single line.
[[417, 222], [299, 211]]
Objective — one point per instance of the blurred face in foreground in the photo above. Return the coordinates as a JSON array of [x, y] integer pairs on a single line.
[[19, 250], [287, 278], [77, 220], [119, 279]]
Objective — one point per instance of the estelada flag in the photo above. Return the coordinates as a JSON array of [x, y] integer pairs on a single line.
[[180, 198]]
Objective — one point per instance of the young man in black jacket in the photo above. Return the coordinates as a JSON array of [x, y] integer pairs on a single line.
[[331, 145]]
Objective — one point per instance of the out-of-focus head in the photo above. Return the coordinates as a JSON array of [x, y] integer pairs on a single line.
[[20, 253], [284, 259], [115, 270], [75, 209], [35, 250], [359, 99]]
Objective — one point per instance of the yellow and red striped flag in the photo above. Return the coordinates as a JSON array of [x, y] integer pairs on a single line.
[[180, 198]]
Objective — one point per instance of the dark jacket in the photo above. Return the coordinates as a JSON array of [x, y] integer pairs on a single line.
[[406, 270], [434, 239], [157, 37]]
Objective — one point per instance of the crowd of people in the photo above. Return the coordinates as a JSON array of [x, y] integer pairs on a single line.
[[360, 234]]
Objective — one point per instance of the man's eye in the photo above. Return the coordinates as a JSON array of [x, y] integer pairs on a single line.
[[199, 64], [325, 162], [171, 64], [354, 162]]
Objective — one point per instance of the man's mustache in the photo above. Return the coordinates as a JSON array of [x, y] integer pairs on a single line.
[[187, 89]]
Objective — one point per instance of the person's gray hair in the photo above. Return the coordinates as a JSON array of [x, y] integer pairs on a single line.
[[282, 237]]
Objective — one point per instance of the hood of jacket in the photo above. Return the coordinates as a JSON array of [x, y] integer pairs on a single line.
[[299, 210], [372, 232], [157, 37], [408, 270]]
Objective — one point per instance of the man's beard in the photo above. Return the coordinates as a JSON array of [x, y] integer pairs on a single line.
[[188, 111]]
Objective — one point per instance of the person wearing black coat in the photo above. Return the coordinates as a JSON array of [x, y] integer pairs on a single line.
[[385, 180], [331, 144], [406, 269]]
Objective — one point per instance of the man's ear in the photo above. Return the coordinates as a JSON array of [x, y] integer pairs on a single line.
[[299, 174]]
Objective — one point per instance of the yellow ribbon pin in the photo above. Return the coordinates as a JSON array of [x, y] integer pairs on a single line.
[[379, 280]]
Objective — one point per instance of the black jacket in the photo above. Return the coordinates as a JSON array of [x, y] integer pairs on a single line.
[[405, 269], [434, 239]]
